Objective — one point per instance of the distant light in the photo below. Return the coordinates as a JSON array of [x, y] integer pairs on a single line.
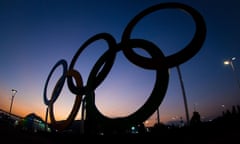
[[101, 133], [14, 91], [226, 62]]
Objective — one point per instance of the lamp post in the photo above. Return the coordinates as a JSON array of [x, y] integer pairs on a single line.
[[230, 62], [13, 94]]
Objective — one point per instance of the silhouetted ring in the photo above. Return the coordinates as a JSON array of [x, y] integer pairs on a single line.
[[60, 82], [147, 109], [61, 125], [96, 77], [175, 59], [105, 70]]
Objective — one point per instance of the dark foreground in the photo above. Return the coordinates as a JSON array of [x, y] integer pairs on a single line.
[[206, 134]]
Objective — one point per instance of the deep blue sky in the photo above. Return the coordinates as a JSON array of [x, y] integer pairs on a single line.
[[34, 35]]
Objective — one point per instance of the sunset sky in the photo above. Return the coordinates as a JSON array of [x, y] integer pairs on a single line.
[[34, 35]]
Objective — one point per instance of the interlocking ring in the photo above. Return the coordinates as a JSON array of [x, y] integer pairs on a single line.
[[62, 125], [144, 112], [60, 85], [105, 70], [102, 67], [173, 60]]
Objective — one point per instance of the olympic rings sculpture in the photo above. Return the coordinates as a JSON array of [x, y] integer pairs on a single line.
[[102, 67]]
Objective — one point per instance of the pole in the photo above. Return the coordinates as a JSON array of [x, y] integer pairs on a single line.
[[46, 118], [13, 94], [83, 116], [184, 94], [234, 71]]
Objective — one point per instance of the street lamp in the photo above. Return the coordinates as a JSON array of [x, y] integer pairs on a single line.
[[13, 94], [230, 62]]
